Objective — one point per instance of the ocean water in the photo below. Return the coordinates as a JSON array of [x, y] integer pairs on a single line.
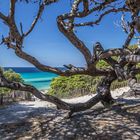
[[32, 76]]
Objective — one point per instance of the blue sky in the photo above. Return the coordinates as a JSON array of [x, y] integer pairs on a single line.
[[49, 45]]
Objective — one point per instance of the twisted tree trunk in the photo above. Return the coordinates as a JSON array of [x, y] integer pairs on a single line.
[[106, 84]]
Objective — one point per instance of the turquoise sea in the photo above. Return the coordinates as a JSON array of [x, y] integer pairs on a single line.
[[32, 76], [40, 80]]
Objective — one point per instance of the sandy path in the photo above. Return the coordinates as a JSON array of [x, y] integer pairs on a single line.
[[22, 110], [42, 121]]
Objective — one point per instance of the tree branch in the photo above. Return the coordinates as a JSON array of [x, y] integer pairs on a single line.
[[12, 9], [39, 13], [3, 17], [101, 17], [74, 40], [114, 52], [24, 87], [129, 38], [70, 72], [88, 12], [103, 88]]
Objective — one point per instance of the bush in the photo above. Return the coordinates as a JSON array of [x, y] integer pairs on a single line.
[[73, 86], [12, 76], [78, 85]]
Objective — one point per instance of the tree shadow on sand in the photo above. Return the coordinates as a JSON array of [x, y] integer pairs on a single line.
[[119, 122]]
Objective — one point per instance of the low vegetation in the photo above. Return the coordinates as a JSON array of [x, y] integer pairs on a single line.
[[12, 76], [77, 85]]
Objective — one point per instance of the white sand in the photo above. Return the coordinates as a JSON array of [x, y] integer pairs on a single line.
[[115, 94], [22, 110]]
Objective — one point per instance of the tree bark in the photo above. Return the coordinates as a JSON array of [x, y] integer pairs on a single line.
[[105, 84]]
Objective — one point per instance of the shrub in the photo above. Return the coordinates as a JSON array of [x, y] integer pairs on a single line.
[[73, 86], [12, 76]]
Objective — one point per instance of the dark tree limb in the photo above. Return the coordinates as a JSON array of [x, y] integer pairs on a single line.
[[91, 23], [103, 92], [3, 17], [23, 87], [39, 13], [129, 38], [74, 40]]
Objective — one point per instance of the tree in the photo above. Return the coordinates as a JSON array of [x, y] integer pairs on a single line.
[[123, 68]]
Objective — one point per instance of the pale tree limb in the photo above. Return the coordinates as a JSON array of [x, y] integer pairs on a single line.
[[69, 33], [114, 52]]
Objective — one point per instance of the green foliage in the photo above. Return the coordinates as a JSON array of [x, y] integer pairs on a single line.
[[12, 76], [79, 85], [102, 64], [73, 86]]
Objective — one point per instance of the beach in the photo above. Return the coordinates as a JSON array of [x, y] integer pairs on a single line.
[[41, 120], [25, 106]]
